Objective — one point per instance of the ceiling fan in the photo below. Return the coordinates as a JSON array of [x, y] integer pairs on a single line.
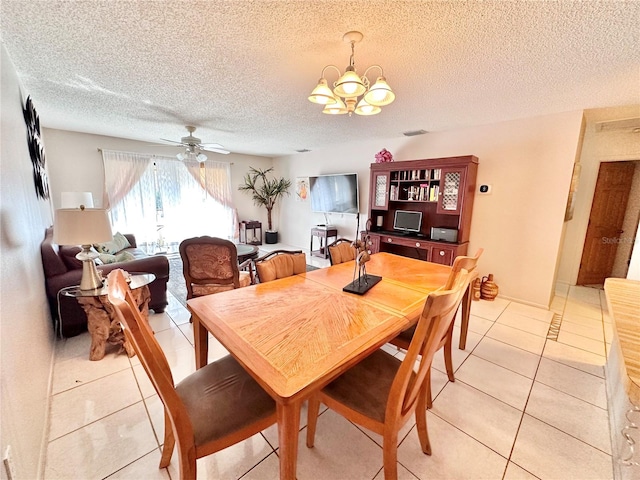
[[194, 146]]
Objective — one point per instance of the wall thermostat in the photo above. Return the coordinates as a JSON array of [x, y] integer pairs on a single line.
[[486, 189]]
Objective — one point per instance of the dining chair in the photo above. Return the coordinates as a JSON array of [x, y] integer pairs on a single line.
[[403, 340], [280, 264], [210, 265], [381, 392], [217, 406], [342, 250]]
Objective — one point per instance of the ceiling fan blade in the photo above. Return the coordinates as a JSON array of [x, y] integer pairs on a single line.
[[217, 150], [213, 145], [171, 141]]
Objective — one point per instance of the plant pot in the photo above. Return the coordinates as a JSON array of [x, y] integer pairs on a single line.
[[270, 237]]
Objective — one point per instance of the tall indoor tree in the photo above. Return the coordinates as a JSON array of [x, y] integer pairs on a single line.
[[265, 192]]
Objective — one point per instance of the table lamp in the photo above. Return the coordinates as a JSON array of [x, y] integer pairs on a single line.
[[83, 226], [75, 199]]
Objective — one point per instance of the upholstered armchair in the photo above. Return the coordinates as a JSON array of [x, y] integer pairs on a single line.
[[210, 265]]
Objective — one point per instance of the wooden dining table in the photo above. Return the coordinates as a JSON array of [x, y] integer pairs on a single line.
[[296, 334]]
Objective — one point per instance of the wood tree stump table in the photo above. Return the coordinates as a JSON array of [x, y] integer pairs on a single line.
[[102, 321]]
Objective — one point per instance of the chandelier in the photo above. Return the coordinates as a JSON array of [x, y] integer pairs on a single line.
[[359, 96]]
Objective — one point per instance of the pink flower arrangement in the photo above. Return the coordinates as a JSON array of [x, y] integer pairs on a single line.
[[383, 156]]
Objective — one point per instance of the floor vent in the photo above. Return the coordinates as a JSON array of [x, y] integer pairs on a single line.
[[554, 327]]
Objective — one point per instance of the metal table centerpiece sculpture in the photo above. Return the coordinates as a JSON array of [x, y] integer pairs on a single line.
[[365, 281]]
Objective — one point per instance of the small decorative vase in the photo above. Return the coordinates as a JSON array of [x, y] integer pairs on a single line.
[[488, 288], [475, 290]]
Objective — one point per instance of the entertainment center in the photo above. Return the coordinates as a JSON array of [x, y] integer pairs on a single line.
[[422, 208]]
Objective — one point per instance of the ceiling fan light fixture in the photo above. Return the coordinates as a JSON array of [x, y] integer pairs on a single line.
[[181, 157], [380, 93], [201, 157]]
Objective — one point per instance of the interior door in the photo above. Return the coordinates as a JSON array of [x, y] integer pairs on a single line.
[[605, 222]]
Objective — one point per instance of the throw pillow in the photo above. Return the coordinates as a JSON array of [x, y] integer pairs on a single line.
[[107, 258], [125, 256], [116, 245], [118, 257]]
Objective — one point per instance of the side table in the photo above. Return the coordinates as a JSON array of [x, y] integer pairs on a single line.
[[323, 234], [102, 321]]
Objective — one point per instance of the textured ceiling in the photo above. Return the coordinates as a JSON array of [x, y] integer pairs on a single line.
[[241, 70]]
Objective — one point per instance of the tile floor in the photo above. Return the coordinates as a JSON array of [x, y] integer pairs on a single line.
[[522, 407]]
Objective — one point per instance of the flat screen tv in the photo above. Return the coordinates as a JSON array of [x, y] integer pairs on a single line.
[[407, 221], [334, 193]]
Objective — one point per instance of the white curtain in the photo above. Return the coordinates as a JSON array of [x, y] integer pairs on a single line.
[[130, 195], [122, 170], [215, 178], [171, 201]]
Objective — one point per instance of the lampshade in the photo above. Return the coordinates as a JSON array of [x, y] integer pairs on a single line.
[[322, 94], [76, 226], [337, 108], [380, 93], [349, 85], [75, 199], [364, 108]]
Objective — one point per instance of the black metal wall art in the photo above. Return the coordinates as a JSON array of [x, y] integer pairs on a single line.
[[36, 149]]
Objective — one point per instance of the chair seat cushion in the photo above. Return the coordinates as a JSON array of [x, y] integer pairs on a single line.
[[222, 398], [200, 290], [365, 387]]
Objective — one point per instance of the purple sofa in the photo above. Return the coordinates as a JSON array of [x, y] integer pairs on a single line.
[[62, 269]]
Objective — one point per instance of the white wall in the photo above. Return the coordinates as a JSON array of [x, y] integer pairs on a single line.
[[76, 166], [529, 164], [597, 147], [26, 332]]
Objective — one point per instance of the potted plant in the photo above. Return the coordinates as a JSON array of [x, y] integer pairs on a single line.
[[265, 192]]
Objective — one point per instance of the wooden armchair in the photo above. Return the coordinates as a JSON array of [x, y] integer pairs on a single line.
[[404, 339], [280, 264], [210, 265], [382, 392], [342, 250], [216, 407]]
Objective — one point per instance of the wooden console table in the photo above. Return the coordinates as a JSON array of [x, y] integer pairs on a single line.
[[102, 321], [324, 234]]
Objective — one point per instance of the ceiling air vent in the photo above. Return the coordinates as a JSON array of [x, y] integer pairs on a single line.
[[413, 133], [617, 125]]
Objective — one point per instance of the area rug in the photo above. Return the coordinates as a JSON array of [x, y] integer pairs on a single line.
[[176, 284]]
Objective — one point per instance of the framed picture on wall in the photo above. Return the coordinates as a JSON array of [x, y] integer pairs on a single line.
[[302, 189]]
